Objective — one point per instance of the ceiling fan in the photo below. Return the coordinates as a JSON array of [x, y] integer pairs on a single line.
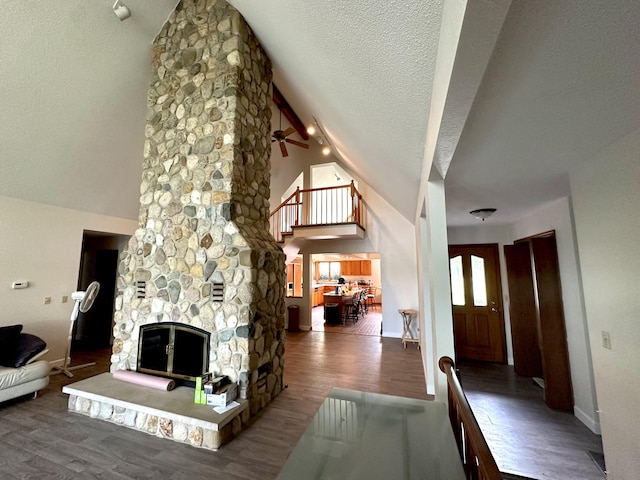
[[281, 137]]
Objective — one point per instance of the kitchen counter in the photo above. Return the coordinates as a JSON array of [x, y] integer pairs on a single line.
[[318, 291]]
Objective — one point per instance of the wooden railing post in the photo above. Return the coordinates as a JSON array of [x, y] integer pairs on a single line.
[[476, 457], [296, 220], [353, 195]]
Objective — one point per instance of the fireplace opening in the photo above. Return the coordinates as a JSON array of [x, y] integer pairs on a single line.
[[173, 350]]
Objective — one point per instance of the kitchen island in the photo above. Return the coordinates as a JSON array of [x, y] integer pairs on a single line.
[[341, 299]]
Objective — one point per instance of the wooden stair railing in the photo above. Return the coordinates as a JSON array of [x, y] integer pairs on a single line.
[[318, 206], [477, 459]]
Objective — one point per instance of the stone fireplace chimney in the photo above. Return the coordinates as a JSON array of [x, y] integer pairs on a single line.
[[202, 254]]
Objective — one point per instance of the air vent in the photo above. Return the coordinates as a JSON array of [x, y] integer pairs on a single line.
[[217, 292], [141, 289]]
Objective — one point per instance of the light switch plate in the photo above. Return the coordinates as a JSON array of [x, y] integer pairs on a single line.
[[606, 339]]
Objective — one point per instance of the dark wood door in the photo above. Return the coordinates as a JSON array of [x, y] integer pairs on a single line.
[[477, 303], [553, 335], [537, 317], [522, 311]]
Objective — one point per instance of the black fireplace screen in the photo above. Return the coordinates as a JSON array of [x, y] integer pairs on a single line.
[[173, 350]]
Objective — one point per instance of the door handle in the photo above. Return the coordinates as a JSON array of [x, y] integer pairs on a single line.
[[494, 309]]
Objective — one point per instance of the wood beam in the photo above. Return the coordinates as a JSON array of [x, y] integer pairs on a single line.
[[285, 108]]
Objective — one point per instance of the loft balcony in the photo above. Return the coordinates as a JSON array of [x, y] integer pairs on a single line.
[[320, 213]]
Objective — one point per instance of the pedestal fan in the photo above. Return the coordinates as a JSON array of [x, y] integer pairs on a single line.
[[83, 300]]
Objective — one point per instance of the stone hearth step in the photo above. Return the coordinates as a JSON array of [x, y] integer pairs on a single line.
[[166, 414]]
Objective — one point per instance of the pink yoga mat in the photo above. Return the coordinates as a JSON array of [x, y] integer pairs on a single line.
[[145, 380]]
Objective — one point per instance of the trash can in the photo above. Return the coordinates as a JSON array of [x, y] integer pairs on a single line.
[[332, 313], [294, 318]]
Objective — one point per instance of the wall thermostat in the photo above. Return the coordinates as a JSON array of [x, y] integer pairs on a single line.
[[16, 285]]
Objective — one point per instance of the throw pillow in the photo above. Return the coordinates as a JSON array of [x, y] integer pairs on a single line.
[[8, 341], [28, 347]]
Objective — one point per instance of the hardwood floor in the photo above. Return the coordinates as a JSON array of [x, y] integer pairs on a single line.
[[525, 436], [41, 439], [369, 324]]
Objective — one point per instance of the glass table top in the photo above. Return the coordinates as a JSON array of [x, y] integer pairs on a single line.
[[359, 435]]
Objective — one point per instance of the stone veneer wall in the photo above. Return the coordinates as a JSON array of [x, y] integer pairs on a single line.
[[204, 204]]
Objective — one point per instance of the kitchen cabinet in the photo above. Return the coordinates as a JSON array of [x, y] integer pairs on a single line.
[[317, 295], [365, 267], [345, 268], [355, 268], [294, 280]]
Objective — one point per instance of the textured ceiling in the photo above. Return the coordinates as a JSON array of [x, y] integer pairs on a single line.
[[560, 85], [74, 85], [364, 70]]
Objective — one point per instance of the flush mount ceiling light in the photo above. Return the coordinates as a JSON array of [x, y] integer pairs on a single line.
[[482, 213], [316, 130], [121, 10]]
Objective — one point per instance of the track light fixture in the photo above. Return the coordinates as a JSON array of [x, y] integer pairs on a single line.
[[121, 10], [316, 130]]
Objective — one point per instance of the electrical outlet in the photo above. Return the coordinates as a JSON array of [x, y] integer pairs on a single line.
[[47, 300], [606, 339], [65, 299]]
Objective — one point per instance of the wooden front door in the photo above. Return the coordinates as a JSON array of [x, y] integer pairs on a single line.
[[477, 303]]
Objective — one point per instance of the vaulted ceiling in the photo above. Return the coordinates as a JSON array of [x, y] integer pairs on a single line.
[[559, 84]]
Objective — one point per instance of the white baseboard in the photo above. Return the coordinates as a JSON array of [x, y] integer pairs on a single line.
[[392, 334], [591, 424]]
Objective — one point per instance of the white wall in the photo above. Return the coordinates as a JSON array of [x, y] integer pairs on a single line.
[[556, 216], [43, 245], [606, 197], [393, 236]]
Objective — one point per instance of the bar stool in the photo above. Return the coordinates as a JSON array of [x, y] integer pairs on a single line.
[[371, 297], [351, 310], [408, 314]]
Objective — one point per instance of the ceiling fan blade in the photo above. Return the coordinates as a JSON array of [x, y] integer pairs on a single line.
[[295, 142], [283, 149], [288, 131]]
